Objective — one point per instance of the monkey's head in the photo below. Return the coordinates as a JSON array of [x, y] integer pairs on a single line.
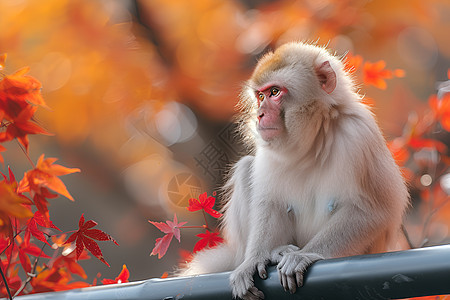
[[290, 89]]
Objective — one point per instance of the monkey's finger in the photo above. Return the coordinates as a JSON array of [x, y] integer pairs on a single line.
[[283, 282], [299, 278], [280, 276], [282, 262], [262, 270], [292, 284], [255, 293]]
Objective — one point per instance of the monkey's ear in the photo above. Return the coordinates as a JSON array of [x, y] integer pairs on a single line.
[[326, 76]]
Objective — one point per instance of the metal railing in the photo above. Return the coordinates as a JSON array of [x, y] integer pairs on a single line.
[[394, 275]]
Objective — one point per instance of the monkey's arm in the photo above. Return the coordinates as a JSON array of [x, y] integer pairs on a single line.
[[269, 227], [349, 231]]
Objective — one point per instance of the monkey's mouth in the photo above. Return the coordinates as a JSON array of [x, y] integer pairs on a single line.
[[261, 128], [268, 133]]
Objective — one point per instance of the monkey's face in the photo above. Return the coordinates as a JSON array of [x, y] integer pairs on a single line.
[[288, 87], [280, 95], [270, 101]]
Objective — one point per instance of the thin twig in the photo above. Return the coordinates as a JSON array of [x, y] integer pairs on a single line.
[[194, 227], [408, 240], [6, 283], [26, 153], [206, 221], [426, 224], [30, 275]]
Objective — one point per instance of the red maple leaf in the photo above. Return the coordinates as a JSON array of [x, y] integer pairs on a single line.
[[85, 238], [32, 249], [123, 277], [13, 279], [171, 229], [208, 239], [206, 203], [32, 229]]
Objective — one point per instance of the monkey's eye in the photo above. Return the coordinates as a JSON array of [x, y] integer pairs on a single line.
[[261, 96], [274, 91]]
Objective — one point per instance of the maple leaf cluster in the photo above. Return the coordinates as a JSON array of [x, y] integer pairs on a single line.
[[20, 94], [209, 239], [24, 214]]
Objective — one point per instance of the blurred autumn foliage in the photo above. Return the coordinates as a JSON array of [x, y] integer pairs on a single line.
[[138, 92], [24, 219]]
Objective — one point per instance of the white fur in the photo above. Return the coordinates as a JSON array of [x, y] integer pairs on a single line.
[[329, 186]]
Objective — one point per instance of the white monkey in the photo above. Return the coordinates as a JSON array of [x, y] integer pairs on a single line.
[[322, 182]]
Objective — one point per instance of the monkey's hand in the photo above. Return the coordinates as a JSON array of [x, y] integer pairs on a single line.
[[277, 254], [241, 280], [292, 267]]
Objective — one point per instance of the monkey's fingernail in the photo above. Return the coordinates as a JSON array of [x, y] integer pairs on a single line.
[[264, 276]]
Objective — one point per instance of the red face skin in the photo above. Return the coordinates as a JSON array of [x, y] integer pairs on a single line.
[[270, 123]]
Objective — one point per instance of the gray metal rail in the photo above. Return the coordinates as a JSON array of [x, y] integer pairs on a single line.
[[395, 275]]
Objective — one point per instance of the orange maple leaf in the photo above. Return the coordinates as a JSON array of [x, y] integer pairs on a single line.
[[19, 93], [376, 73], [69, 262], [44, 176], [123, 277], [11, 205], [19, 87], [54, 279], [21, 125]]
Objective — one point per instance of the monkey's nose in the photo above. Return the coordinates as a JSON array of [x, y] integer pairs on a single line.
[[260, 116]]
